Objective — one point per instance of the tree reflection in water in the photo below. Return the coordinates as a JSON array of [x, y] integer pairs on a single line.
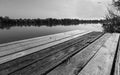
[[7, 23]]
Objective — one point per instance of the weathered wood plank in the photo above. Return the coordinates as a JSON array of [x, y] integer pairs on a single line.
[[9, 49], [116, 65], [40, 38], [15, 55], [74, 64], [101, 63], [41, 66]]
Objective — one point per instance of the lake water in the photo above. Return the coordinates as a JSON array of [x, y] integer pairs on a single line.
[[19, 33]]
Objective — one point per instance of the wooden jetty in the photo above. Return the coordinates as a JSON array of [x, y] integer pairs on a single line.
[[70, 53]]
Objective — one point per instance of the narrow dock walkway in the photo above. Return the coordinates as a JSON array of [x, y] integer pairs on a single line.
[[70, 53]]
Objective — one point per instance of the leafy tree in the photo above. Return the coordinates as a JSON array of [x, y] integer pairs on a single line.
[[112, 23]]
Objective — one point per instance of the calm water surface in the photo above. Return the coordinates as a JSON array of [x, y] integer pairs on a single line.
[[20, 33]]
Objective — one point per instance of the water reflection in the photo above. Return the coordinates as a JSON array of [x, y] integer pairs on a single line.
[[7, 23], [9, 26]]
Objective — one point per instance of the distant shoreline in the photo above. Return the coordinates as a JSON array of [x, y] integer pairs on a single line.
[[6, 22]]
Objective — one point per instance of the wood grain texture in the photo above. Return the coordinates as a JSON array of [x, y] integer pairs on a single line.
[[74, 64], [35, 64], [116, 67], [101, 63]]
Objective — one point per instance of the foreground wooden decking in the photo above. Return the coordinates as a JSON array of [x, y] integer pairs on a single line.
[[70, 53]]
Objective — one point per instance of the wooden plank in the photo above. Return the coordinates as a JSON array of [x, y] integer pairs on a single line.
[[33, 63], [101, 63], [44, 43], [48, 37], [38, 38], [116, 65], [119, 63], [74, 64], [9, 57]]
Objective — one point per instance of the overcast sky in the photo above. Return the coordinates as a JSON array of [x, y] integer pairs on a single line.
[[53, 8]]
